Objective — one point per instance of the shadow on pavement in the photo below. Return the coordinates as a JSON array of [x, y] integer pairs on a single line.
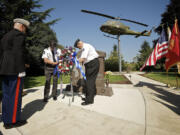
[[32, 107], [165, 95], [26, 92]]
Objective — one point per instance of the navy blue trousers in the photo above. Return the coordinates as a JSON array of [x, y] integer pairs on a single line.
[[12, 87]]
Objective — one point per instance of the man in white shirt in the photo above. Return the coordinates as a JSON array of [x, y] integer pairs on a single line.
[[50, 57], [89, 58]]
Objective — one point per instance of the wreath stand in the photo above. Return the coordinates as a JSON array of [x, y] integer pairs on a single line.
[[70, 93]]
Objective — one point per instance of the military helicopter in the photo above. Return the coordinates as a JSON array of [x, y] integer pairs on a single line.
[[115, 27]]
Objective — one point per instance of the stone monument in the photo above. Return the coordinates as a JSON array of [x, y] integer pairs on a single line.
[[79, 83]]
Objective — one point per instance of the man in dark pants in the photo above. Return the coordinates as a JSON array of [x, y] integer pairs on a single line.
[[12, 69], [89, 57], [50, 57]]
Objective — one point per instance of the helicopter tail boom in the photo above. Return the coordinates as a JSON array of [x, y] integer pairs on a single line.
[[144, 33]]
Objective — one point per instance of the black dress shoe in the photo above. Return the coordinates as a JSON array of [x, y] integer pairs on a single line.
[[8, 126], [17, 124], [45, 100], [86, 103], [20, 123], [84, 99], [55, 98]]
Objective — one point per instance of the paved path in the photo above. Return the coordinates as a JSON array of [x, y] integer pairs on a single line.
[[121, 114], [146, 107], [162, 106]]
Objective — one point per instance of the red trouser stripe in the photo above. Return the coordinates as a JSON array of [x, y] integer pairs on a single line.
[[16, 100]]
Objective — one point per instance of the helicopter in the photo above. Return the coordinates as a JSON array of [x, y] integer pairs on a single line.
[[115, 27]]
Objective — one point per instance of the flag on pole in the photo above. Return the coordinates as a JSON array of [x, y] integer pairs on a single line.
[[160, 51], [173, 56], [169, 33]]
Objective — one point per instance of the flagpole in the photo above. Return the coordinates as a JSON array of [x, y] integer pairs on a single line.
[[177, 79], [167, 79]]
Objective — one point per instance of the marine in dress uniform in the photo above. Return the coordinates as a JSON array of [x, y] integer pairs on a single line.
[[12, 68], [89, 58], [50, 57]]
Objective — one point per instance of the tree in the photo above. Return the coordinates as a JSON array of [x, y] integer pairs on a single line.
[[112, 63], [39, 39], [39, 33], [168, 17], [114, 53], [144, 53]]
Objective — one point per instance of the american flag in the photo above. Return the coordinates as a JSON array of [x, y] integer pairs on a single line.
[[159, 51]]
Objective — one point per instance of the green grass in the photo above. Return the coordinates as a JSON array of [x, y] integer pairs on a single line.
[[164, 78], [35, 81], [117, 79]]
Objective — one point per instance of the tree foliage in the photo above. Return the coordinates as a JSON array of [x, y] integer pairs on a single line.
[[112, 63], [38, 36], [168, 20], [144, 53], [168, 17]]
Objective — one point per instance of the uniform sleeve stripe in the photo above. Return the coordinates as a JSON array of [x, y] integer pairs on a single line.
[[16, 100]]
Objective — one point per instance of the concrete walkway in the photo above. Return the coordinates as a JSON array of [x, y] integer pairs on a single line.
[[162, 106], [121, 114], [146, 107]]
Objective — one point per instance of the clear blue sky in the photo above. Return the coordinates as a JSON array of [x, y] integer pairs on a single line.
[[75, 24]]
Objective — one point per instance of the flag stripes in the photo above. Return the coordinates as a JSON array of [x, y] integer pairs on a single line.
[[160, 51]]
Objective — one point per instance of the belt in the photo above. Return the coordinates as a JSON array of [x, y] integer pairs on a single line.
[[49, 66], [90, 62]]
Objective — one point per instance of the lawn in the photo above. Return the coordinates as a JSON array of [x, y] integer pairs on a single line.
[[164, 78], [118, 79], [35, 81]]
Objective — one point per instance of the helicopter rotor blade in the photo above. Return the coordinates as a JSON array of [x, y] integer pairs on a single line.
[[111, 17], [134, 22], [96, 13]]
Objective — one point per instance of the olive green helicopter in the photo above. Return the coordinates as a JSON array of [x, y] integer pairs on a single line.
[[115, 27]]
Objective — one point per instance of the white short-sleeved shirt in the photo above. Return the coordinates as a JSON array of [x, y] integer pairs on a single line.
[[88, 52], [48, 54]]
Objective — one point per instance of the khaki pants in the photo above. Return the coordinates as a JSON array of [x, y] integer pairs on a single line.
[[49, 73]]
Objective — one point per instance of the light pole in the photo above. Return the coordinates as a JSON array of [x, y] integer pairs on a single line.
[[119, 54]]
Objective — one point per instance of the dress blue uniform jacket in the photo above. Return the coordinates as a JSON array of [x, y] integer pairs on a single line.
[[12, 53]]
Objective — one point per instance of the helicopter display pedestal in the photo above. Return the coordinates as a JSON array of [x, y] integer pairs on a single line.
[[79, 83]]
